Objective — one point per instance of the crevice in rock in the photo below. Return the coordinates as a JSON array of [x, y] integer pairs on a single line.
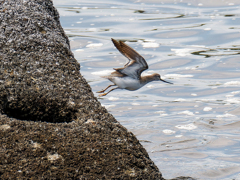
[[53, 113]]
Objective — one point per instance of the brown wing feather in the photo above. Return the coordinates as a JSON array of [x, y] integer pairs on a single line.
[[136, 64], [119, 47]]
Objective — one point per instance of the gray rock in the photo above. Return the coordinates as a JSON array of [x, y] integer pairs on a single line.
[[51, 125]]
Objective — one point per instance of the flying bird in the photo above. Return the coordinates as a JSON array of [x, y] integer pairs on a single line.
[[129, 77]]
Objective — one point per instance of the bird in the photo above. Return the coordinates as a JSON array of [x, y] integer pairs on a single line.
[[129, 77]]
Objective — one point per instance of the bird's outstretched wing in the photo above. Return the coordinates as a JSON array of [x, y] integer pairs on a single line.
[[136, 64]]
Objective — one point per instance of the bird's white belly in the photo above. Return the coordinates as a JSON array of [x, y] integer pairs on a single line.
[[127, 83]]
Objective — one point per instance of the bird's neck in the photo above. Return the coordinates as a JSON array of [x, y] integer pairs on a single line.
[[146, 79]]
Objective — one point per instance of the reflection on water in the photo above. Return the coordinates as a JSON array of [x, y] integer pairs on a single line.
[[190, 128]]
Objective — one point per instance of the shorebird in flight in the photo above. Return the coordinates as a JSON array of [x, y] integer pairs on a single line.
[[129, 77]]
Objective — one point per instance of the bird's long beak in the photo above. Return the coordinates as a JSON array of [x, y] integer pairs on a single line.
[[165, 81]]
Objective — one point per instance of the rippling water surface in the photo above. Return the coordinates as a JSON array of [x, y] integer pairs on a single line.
[[190, 128]]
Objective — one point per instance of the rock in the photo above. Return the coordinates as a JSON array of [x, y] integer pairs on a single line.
[[51, 125]]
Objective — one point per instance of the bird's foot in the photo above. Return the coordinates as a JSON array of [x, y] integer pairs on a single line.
[[100, 91], [104, 94]]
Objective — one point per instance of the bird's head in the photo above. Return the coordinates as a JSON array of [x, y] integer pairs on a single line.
[[157, 77]]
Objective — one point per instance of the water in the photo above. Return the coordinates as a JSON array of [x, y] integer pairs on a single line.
[[190, 128]]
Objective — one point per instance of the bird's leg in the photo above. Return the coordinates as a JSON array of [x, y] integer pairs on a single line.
[[106, 88], [104, 94]]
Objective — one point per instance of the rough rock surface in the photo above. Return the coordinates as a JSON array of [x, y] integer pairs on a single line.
[[51, 125]]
